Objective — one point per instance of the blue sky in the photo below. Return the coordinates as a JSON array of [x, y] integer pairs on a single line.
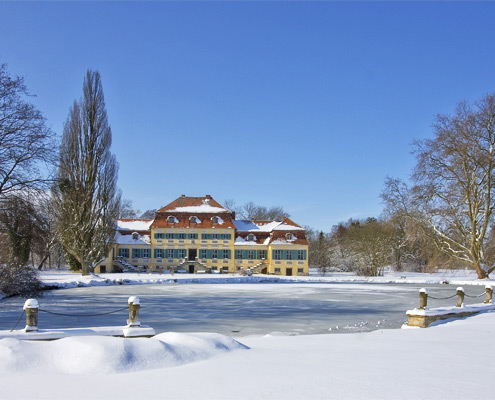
[[306, 105]]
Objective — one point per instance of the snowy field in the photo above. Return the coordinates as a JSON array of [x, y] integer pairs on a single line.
[[453, 360]]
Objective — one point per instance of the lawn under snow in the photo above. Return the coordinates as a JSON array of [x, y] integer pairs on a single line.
[[65, 279], [452, 360]]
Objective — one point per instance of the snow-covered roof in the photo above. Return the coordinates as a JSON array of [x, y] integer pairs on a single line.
[[128, 239], [133, 224], [203, 208], [265, 226]]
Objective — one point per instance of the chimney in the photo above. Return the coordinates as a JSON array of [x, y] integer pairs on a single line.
[[208, 196], [182, 195]]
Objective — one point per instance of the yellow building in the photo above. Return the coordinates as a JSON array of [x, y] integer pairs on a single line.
[[199, 235]]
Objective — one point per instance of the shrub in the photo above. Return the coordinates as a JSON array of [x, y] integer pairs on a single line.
[[19, 280]]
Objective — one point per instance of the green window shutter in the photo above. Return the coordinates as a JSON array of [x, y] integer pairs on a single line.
[[294, 254], [176, 253], [208, 254]]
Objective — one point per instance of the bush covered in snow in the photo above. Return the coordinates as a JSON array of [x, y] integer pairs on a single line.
[[18, 280]]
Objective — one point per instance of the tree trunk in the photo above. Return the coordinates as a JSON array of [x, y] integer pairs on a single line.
[[85, 268]]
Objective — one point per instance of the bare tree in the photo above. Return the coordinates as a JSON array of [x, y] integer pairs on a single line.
[[25, 141], [86, 196], [127, 210], [452, 194], [251, 211]]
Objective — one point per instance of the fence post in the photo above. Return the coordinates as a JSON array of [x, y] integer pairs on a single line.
[[488, 294], [31, 307], [134, 307], [423, 299], [460, 297]]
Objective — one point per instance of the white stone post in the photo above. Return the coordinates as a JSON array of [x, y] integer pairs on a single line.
[[460, 297], [423, 299], [134, 307], [31, 307]]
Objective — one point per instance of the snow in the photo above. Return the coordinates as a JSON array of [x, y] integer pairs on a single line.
[[128, 239], [451, 360], [448, 361], [65, 279], [203, 208], [50, 334], [134, 225]]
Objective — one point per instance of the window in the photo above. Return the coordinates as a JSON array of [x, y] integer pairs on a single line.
[[158, 253], [288, 255], [300, 255], [250, 238], [146, 253], [251, 254], [136, 253], [159, 235], [214, 220], [226, 254], [170, 253], [182, 253], [135, 236], [277, 254], [289, 236], [226, 236], [171, 219], [193, 236], [169, 235], [214, 254], [202, 253], [277, 270], [182, 235], [238, 254], [300, 270], [263, 254], [124, 253], [193, 220]]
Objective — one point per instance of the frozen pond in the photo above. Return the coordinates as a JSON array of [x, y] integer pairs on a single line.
[[237, 309]]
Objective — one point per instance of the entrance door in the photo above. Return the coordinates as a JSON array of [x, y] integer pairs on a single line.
[[192, 254], [288, 271], [191, 269]]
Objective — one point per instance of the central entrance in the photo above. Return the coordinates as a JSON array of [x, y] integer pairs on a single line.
[[193, 253]]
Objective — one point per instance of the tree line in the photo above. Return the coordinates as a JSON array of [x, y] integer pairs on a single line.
[[55, 198], [443, 216]]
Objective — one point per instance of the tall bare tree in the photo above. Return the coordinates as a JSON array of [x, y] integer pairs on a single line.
[[26, 144], [452, 195], [86, 196]]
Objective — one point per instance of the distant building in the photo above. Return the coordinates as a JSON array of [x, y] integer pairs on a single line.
[[197, 234]]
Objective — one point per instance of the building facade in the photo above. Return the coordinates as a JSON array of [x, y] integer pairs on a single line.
[[197, 234]]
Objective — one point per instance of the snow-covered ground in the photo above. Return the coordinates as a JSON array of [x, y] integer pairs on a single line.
[[65, 279], [452, 360]]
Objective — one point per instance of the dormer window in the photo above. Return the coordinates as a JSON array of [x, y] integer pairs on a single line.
[[135, 236], [214, 220], [171, 219], [193, 220], [289, 236], [250, 237]]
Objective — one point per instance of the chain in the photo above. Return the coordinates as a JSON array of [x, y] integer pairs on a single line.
[[442, 298], [84, 315], [17, 323]]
